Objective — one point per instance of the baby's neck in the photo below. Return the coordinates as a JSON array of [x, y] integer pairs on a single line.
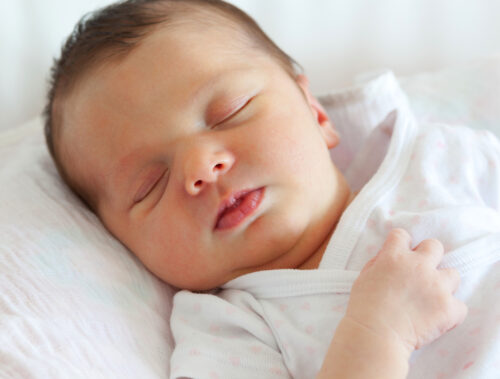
[[314, 259]]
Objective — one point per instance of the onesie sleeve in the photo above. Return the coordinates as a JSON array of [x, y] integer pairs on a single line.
[[222, 337]]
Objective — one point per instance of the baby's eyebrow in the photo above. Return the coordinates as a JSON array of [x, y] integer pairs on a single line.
[[215, 80]]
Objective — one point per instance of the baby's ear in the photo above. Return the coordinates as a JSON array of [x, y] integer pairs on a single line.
[[327, 129]]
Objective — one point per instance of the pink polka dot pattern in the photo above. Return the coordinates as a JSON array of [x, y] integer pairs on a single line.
[[267, 330], [407, 179], [311, 350], [475, 331], [194, 352], [444, 352], [371, 224], [470, 351], [256, 349], [310, 329], [214, 328], [305, 306], [423, 204], [339, 308], [467, 365], [283, 307], [278, 323], [276, 371]]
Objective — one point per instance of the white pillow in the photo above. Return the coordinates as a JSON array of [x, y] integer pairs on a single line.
[[73, 301]]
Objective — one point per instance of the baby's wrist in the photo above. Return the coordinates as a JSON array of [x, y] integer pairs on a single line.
[[357, 352], [379, 328], [379, 344]]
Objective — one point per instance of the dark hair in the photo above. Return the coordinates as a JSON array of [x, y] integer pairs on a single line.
[[112, 32]]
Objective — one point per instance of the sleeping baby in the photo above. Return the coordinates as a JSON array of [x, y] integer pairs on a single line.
[[197, 143]]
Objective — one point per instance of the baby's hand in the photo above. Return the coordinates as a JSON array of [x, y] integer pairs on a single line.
[[401, 293]]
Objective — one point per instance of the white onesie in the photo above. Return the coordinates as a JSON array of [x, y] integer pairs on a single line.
[[435, 181]]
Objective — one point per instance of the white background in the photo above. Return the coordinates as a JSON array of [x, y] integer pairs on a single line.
[[333, 40]]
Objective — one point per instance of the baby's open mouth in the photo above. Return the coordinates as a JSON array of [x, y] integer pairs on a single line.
[[237, 207]]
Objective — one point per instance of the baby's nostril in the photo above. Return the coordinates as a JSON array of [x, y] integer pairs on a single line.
[[218, 166], [198, 183]]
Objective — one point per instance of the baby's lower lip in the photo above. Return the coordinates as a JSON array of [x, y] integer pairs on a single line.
[[234, 216]]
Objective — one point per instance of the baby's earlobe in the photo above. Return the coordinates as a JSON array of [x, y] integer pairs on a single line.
[[330, 135]]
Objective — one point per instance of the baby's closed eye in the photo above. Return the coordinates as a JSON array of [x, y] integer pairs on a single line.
[[150, 184], [220, 114]]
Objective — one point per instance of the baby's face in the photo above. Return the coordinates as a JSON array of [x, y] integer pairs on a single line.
[[208, 163]]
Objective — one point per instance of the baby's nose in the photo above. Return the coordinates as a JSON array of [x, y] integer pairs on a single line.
[[206, 168]]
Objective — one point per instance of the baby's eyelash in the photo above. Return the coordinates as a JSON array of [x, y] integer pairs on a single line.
[[233, 113], [147, 188]]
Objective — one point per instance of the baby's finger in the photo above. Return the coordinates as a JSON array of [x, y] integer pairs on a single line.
[[397, 240], [452, 277], [432, 249]]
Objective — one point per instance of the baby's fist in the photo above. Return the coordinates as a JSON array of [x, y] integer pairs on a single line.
[[401, 293]]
